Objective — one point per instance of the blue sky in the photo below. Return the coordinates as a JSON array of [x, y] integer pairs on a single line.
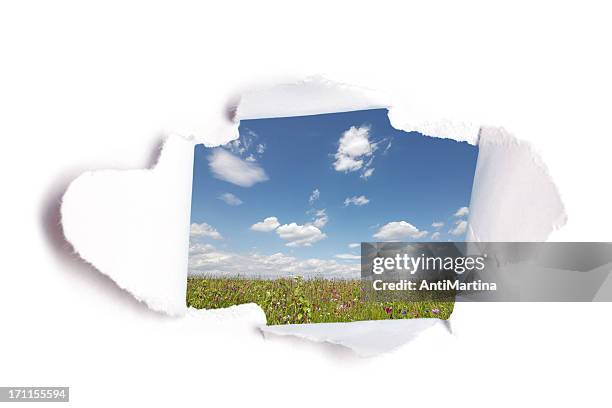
[[296, 194]]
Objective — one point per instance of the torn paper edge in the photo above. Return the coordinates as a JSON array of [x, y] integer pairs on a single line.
[[317, 95], [121, 221]]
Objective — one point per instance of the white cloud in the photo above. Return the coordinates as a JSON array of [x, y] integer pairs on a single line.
[[251, 159], [348, 256], [354, 245], [437, 224], [435, 236], [227, 167], [204, 230], [230, 199], [460, 228], [359, 201], [261, 148], [398, 230], [355, 142], [366, 174], [314, 196], [346, 164], [353, 146], [267, 225], [463, 211], [210, 261], [299, 235], [321, 219]]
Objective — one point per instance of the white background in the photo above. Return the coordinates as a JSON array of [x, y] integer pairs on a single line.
[[88, 86]]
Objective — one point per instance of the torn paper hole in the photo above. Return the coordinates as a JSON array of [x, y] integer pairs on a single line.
[[114, 219], [279, 220]]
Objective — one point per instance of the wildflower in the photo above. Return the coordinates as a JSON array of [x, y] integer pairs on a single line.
[[403, 312], [435, 311], [389, 310]]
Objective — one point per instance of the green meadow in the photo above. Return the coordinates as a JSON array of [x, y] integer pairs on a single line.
[[296, 300]]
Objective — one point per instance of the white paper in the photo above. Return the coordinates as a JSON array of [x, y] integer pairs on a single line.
[[513, 198], [133, 225], [366, 338]]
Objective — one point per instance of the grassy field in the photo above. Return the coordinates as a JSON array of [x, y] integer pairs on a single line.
[[295, 300]]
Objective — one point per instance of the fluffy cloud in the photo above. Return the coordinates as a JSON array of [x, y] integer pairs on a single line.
[[359, 201], [299, 235], [267, 225], [355, 142], [462, 212], [204, 230], [398, 230], [348, 256], [437, 224], [228, 167], [314, 196], [435, 236], [206, 260], [354, 245], [346, 164], [321, 219], [353, 147], [460, 228], [230, 199]]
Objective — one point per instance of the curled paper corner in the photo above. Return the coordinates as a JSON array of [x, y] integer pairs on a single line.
[[319, 95], [514, 198], [311, 96], [133, 225]]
